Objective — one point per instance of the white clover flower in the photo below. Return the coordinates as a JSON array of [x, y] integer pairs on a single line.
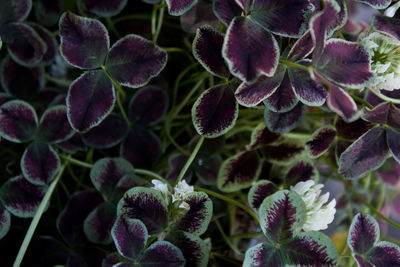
[[162, 187], [318, 214], [181, 190], [385, 60]]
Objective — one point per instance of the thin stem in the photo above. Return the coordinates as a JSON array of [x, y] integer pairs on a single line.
[[295, 65], [111, 26], [385, 98], [120, 92], [362, 101], [76, 162], [229, 200], [190, 160], [246, 235], [150, 173], [366, 203], [36, 218], [159, 24], [57, 81], [297, 135], [227, 240]]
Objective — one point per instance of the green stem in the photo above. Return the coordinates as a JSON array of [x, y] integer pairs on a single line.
[[227, 240], [385, 98], [36, 218], [111, 26], [57, 81], [297, 135], [119, 92], [150, 173], [190, 160], [366, 203], [76, 161], [229, 200], [295, 65], [362, 101], [159, 24], [246, 235]]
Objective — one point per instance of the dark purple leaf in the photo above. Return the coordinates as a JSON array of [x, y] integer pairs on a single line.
[[18, 121], [344, 63], [215, 112], [259, 191], [73, 145], [20, 197], [130, 237], [251, 94], [394, 117], [40, 163], [206, 169], [179, 7], [207, 49], [301, 171], [389, 173], [226, 10], [320, 141], [270, 13], [302, 48], [387, 25], [283, 153], [366, 154], [54, 126], [84, 41], [378, 114], [28, 87], [70, 220], [133, 61], [308, 91], [127, 182], [343, 104], [97, 225], [261, 136], [192, 246], [90, 99], [393, 138], [24, 44], [141, 147], [311, 249], [283, 99], [384, 254], [282, 215], [148, 106], [108, 133], [320, 23], [197, 219], [147, 205], [199, 15], [103, 8], [285, 121], [162, 253], [176, 163], [50, 41], [5, 221], [352, 130], [263, 255], [363, 233], [47, 12], [52, 252], [238, 171], [378, 4], [107, 172], [14, 10], [249, 50], [110, 260]]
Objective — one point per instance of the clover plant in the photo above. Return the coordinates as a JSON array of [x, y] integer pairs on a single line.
[[199, 133]]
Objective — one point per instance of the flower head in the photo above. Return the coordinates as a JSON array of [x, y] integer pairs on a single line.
[[181, 190], [319, 214], [385, 60]]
